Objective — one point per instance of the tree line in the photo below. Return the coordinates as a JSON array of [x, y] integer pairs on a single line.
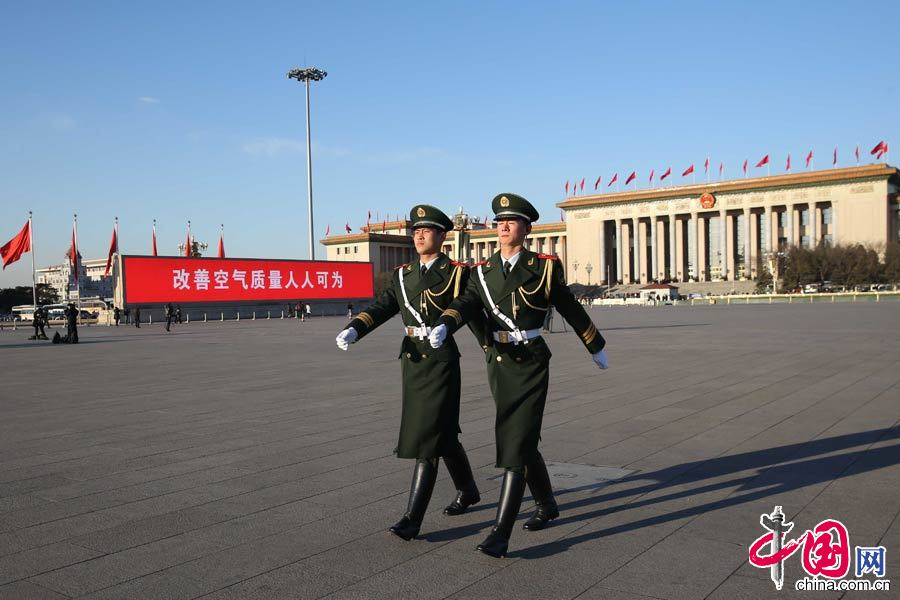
[[842, 265]]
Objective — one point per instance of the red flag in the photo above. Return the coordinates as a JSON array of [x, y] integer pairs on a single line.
[[857, 153], [721, 169], [631, 178], [879, 149], [745, 167], [113, 248], [16, 247], [567, 188], [328, 230], [582, 184], [597, 183], [763, 161], [651, 175], [666, 174], [787, 167], [614, 179], [73, 251], [154, 238], [883, 152], [347, 228], [221, 250], [383, 226], [809, 158], [688, 171], [706, 165], [187, 243], [834, 158]]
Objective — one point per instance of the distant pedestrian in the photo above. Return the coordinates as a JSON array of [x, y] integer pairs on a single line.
[[350, 310], [127, 316], [308, 311], [137, 317], [71, 324], [116, 315], [178, 314], [170, 314]]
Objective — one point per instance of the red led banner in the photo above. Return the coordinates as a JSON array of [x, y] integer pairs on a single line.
[[149, 279]]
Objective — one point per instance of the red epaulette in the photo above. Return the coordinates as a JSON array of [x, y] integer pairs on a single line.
[[548, 256], [480, 264], [456, 263], [401, 266]]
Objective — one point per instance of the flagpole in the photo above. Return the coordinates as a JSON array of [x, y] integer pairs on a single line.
[[33, 279], [75, 262]]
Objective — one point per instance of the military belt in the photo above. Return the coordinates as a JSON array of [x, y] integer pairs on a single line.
[[418, 332], [516, 336]]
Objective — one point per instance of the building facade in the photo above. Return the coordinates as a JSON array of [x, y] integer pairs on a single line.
[[723, 231], [91, 281]]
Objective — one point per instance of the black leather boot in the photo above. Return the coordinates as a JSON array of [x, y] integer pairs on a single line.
[[508, 506], [461, 473], [542, 491], [423, 480]]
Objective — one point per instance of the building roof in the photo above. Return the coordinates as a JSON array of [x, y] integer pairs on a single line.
[[805, 178]]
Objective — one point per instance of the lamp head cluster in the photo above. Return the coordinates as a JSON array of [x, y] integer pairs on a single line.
[[307, 74]]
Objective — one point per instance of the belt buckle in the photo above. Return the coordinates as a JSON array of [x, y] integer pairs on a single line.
[[503, 337]]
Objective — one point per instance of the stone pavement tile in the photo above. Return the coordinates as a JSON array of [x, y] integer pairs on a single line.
[[156, 586], [296, 581], [739, 587], [264, 523], [112, 569], [56, 531], [364, 557], [25, 590], [143, 531], [39, 560], [231, 565], [423, 577], [21, 501], [694, 567]]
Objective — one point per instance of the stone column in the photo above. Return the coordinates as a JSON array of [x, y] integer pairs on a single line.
[[702, 224], [749, 246], [676, 252], [601, 275], [789, 224], [812, 225], [654, 258], [695, 227], [770, 243], [626, 254], [674, 266], [619, 250], [640, 254], [723, 235]]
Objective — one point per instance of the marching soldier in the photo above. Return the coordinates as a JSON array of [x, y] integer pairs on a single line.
[[517, 287], [429, 426], [170, 314]]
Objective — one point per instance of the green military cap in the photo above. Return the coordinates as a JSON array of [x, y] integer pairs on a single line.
[[513, 205], [425, 215]]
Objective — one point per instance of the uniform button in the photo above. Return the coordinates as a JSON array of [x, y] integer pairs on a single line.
[[499, 359], [518, 359], [424, 356], [408, 355]]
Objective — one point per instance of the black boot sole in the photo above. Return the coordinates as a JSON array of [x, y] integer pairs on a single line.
[[404, 534], [454, 509]]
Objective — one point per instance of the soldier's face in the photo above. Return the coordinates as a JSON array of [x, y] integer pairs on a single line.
[[428, 240], [512, 232]]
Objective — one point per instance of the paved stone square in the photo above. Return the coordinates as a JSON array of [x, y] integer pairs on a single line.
[[253, 459]]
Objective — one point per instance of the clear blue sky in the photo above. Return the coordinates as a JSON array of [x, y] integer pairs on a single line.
[[180, 111]]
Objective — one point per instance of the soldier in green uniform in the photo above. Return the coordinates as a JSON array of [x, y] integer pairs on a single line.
[[429, 426], [516, 287]]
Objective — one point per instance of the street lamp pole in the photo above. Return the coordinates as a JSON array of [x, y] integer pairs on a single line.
[[306, 75], [589, 268]]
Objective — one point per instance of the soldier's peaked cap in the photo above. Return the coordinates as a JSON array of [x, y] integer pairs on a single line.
[[425, 215], [513, 205]]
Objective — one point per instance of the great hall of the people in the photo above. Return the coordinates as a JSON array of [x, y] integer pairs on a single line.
[[719, 231]]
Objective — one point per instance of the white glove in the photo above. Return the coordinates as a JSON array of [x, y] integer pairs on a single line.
[[601, 360], [437, 336], [345, 338]]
